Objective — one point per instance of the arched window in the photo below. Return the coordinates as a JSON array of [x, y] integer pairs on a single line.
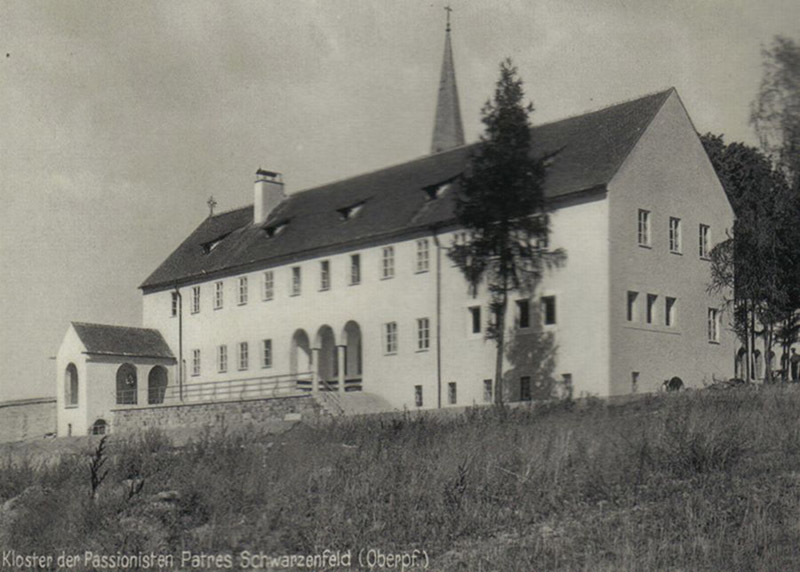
[[156, 385], [99, 427], [71, 386], [126, 384]]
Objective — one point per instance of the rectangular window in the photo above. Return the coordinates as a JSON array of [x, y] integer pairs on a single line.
[[355, 269], [266, 353], [423, 334], [174, 304], [195, 299], [675, 235], [324, 275], [390, 338], [218, 295], [475, 319], [387, 268], [632, 313], [523, 313], [243, 290], [418, 395], [651, 308], [669, 311], [452, 396], [644, 228], [525, 388], [269, 285], [634, 381], [244, 358], [713, 325], [195, 362], [222, 359], [549, 310], [296, 284], [423, 255], [488, 397], [705, 240]]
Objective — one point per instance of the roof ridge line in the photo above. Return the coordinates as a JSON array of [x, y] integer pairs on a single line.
[[473, 143], [379, 169], [635, 142], [78, 323], [229, 211], [605, 107]]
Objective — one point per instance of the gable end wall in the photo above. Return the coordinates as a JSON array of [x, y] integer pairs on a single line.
[[668, 174]]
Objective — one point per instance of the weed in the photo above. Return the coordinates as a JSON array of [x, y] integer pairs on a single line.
[[97, 474], [695, 481]]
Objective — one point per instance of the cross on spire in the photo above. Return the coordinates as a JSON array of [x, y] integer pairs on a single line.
[[211, 204], [448, 131]]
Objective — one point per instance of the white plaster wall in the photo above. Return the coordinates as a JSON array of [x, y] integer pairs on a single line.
[[71, 351], [669, 174], [102, 376], [581, 291], [372, 303], [581, 288]]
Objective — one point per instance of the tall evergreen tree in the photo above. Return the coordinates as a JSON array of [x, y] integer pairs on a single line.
[[502, 206]]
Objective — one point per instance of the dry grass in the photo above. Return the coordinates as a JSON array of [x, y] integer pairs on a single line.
[[696, 481]]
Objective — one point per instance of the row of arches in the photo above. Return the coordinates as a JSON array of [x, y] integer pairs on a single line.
[[334, 364], [127, 387]]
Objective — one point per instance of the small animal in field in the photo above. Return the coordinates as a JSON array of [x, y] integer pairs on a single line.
[[673, 384]]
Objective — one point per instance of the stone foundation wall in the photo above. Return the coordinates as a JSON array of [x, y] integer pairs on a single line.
[[27, 419], [229, 413]]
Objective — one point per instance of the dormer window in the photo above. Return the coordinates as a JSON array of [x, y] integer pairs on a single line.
[[436, 191], [275, 228], [348, 212], [212, 244]]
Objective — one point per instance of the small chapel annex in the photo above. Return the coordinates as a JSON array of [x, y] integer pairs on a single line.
[[346, 289]]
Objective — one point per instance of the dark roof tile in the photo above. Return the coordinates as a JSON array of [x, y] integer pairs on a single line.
[[590, 149], [103, 339]]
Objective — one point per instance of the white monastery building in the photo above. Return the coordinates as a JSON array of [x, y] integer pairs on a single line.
[[347, 288]]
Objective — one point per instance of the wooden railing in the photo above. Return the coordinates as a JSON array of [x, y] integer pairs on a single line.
[[228, 390]]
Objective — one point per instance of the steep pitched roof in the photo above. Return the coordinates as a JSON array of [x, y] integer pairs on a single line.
[[102, 339], [589, 149]]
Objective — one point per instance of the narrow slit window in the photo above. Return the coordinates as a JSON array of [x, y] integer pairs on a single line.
[[651, 308], [632, 306], [669, 311]]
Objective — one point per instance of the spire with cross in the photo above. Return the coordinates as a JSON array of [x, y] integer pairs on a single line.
[[448, 130]]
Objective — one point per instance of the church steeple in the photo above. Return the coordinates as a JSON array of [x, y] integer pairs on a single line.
[[448, 131]]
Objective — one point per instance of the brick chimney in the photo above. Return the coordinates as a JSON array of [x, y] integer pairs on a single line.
[[268, 194]]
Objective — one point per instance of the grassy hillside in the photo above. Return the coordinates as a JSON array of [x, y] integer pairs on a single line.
[[696, 481]]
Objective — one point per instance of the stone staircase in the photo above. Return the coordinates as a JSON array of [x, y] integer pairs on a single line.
[[335, 403]]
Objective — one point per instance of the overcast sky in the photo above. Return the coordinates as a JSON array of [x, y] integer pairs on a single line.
[[118, 119]]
